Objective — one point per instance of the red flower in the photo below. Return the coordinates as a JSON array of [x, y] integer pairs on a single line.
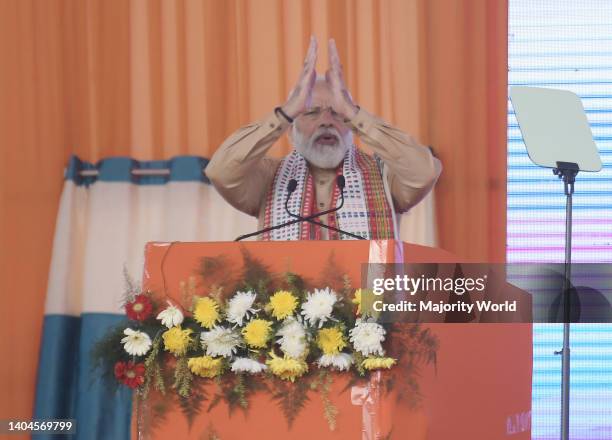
[[139, 309], [129, 373]]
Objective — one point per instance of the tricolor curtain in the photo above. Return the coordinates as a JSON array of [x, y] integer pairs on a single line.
[[103, 223], [155, 79]]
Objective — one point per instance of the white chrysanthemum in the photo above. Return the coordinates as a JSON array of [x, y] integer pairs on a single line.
[[319, 305], [240, 307], [220, 341], [135, 342], [367, 337], [247, 365], [338, 361], [171, 316], [292, 338]]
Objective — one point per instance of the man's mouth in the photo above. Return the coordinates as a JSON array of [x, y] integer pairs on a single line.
[[327, 139]]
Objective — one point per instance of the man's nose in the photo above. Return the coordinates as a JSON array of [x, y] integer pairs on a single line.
[[327, 120]]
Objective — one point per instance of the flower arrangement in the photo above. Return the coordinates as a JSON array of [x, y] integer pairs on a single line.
[[274, 333]]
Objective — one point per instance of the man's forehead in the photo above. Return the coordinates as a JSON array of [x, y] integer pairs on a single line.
[[321, 95]]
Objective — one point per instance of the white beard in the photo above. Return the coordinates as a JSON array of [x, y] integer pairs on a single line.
[[321, 155]]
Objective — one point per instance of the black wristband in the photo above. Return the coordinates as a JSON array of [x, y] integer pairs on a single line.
[[278, 110]]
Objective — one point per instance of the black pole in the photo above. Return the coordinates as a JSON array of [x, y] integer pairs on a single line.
[[566, 171]]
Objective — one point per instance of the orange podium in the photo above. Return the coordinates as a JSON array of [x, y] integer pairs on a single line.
[[479, 387]]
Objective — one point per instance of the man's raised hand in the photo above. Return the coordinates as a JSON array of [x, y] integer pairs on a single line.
[[301, 95], [342, 101]]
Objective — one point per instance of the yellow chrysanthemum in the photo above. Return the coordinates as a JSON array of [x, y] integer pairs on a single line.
[[206, 312], [206, 366], [257, 332], [330, 340], [176, 340], [357, 300], [283, 304], [377, 363], [286, 368]]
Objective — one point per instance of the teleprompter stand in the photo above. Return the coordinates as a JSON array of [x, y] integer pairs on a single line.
[[557, 135]]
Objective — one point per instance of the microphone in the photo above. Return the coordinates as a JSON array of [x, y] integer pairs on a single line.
[[310, 219], [291, 187], [341, 183]]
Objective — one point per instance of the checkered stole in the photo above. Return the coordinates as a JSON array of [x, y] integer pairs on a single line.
[[366, 211]]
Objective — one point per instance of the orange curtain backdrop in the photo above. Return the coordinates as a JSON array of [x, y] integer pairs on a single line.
[[157, 78]]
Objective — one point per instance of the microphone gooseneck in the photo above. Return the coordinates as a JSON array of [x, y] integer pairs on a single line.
[[310, 219], [291, 187]]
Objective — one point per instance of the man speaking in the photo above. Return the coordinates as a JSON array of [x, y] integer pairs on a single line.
[[322, 118]]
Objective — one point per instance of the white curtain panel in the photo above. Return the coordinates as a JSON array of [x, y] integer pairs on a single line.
[[104, 227]]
